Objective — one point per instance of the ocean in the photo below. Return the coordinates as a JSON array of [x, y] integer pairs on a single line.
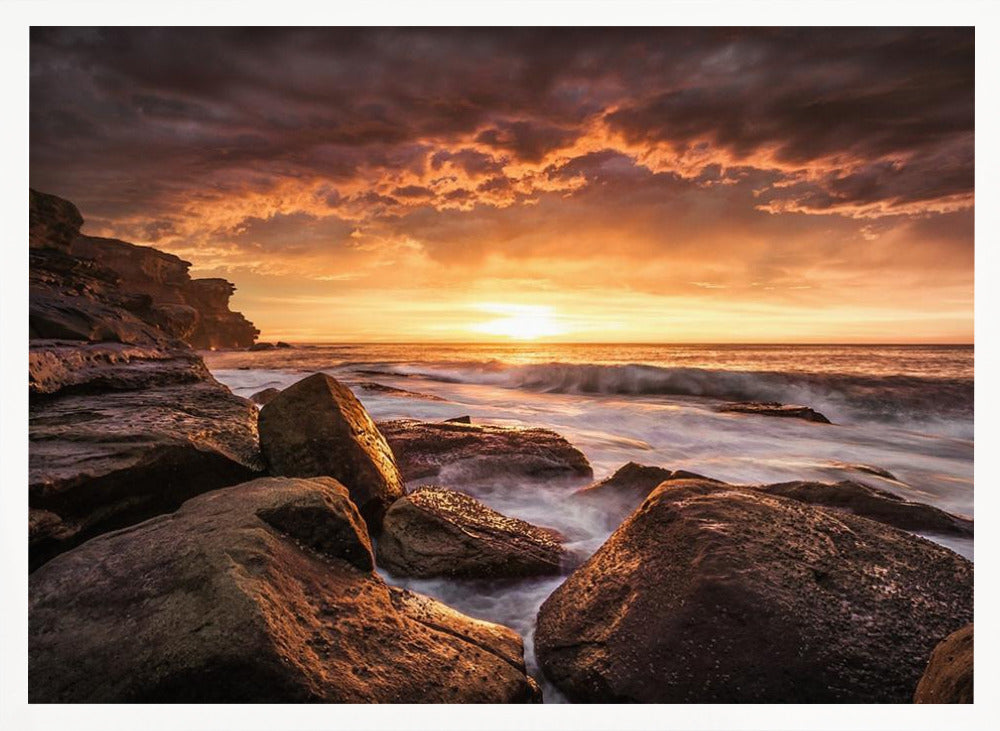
[[907, 410]]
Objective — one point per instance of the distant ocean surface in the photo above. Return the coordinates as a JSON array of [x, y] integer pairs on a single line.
[[904, 409]]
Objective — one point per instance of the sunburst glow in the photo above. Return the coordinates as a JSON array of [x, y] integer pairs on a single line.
[[520, 322]]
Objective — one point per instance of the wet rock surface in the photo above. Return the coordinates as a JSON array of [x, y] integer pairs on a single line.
[[774, 408], [438, 532], [424, 449], [949, 674], [318, 427], [712, 593], [261, 592]]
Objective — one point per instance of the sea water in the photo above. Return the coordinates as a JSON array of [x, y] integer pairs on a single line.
[[906, 410]]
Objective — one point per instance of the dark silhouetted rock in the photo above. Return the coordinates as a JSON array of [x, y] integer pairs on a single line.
[[262, 592], [261, 346], [392, 391], [632, 479], [622, 492], [716, 594], [948, 677], [424, 449], [773, 408], [459, 420], [265, 396], [102, 461], [53, 222], [282, 344], [879, 505], [439, 532], [318, 427]]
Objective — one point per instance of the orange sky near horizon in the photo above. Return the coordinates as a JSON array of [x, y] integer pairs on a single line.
[[578, 185]]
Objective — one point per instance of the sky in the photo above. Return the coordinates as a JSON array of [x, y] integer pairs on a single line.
[[595, 185]]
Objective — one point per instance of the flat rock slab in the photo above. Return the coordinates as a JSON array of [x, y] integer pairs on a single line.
[[373, 387], [773, 408], [439, 532], [880, 505], [318, 427], [949, 677], [424, 449], [59, 366], [710, 594], [261, 592], [98, 462], [622, 492]]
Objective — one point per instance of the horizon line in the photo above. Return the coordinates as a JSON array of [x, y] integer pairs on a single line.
[[620, 342]]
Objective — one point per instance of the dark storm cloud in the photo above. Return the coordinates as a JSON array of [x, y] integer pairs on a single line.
[[173, 131]]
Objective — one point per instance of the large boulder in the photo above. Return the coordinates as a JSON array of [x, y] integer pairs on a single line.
[[424, 449], [101, 461], [439, 532], [262, 592], [714, 594], [948, 677], [318, 427]]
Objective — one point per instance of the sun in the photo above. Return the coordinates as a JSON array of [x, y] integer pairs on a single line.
[[519, 322]]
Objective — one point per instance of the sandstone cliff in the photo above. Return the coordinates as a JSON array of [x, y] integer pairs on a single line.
[[92, 288]]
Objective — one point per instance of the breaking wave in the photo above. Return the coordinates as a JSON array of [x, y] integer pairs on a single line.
[[889, 398]]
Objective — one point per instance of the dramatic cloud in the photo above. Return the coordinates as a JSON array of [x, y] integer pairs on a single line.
[[810, 168]]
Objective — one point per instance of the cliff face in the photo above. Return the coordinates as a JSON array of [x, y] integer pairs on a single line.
[[91, 288]]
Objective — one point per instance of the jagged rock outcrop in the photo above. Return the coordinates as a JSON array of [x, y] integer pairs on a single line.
[[774, 408], [262, 592], [317, 426], [53, 223], [424, 449], [438, 532], [374, 387], [949, 677], [92, 288], [716, 594]]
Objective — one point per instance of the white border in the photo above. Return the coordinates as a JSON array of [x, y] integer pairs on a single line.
[[17, 15]]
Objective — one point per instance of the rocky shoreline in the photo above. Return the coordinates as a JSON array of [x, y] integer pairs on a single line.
[[188, 545]]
